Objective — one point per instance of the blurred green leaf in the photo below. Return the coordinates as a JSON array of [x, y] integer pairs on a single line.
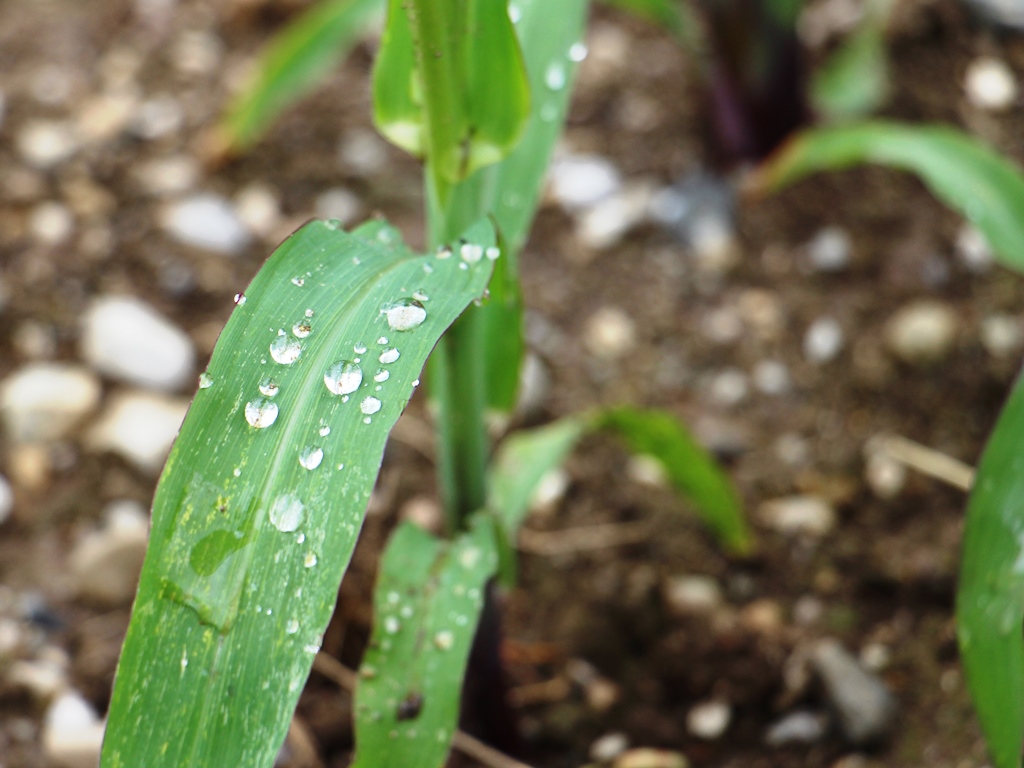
[[502, 320], [691, 470], [854, 81], [397, 90], [427, 605], [296, 60], [989, 604], [263, 495], [983, 186]]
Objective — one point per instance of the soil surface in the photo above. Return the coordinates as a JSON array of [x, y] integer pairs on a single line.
[[597, 641]]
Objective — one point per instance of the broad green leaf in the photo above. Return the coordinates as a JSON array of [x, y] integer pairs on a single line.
[[989, 604], [502, 320], [985, 187], [258, 509], [427, 604], [691, 470], [295, 62], [854, 81], [449, 83]]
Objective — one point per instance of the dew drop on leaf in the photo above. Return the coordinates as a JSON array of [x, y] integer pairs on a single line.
[[311, 456], [310, 560], [444, 640], [370, 405], [493, 252], [205, 380], [471, 253], [392, 625], [578, 52], [344, 377], [359, 349], [239, 299], [269, 387], [287, 512], [420, 295], [292, 626], [389, 356], [298, 281], [382, 375], [302, 329], [405, 314], [260, 413], [554, 76], [284, 350]]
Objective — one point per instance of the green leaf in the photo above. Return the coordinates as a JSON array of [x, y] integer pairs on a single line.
[[989, 604], [295, 62], [503, 342], [961, 171], [253, 527], [427, 605], [449, 83], [854, 81], [691, 470]]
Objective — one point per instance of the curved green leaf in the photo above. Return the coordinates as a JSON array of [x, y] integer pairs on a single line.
[[397, 90], [263, 496], [427, 604], [990, 597], [294, 63], [854, 81], [966, 175]]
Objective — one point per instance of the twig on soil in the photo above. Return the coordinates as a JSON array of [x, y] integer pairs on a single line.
[[928, 461], [583, 538], [472, 747]]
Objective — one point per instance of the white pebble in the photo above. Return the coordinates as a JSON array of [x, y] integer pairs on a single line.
[[1002, 335], [158, 117], [51, 223], [43, 143], [922, 332], [140, 426], [771, 377], [42, 679], [105, 563], [709, 719], [609, 333], [829, 250], [579, 181], [259, 208], [792, 515], [990, 84], [197, 52], [362, 152], [823, 341], [885, 476], [206, 221], [603, 225], [127, 339], [42, 402], [799, 727], [608, 747], [72, 732], [729, 387], [973, 249], [167, 175], [340, 204], [692, 594]]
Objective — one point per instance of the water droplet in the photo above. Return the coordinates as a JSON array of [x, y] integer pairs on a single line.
[[292, 626], [471, 252], [444, 640], [341, 466], [406, 612], [515, 13], [309, 313], [369, 405], [392, 625], [239, 299], [287, 512], [469, 557], [344, 398], [269, 387], [237, 472], [298, 281], [302, 329], [359, 349], [548, 112], [382, 375], [427, 268], [382, 340], [393, 597], [343, 377], [310, 560], [444, 252], [205, 380], [554, 76], [300, 539], [260, 413], [493, 252], [333, 224], [578, 52], [405, 314], [184, 660], [285, 350], [389, 356], [356, 261], [463, 266], [311, 648], [311, 456], [420, 295], [325, 431], [367, 420]]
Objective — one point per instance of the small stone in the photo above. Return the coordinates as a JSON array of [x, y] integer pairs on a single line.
[[362, 152], [771, 377], [973, 249], [43, 143], [206, 221], [863, 704], [197, 52], [72, 732], [692, 594], [647, 757], [647, 469], [875, 656], [603, 224], [708, 720], [51, 223], [6, 500], [42, 678], [609, 746], [791, 449], [922, 332], [722, 325], [51, 85], [534, 386], [801, 727], [339, 204], [580, 181], [140, 426], [729, 387], [259, 208], [885, 476], [990, 84], [127, 339], [104, 117], [423, 512], [830, 249], [167, 175], [793, 515], [42, 402], [823, 341], [763, 616], [158, 117], [11, 638], [106, 562], [808, 611], [609, 333], [1002, 335]]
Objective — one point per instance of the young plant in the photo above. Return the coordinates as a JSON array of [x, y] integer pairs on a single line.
[[263, 496]]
